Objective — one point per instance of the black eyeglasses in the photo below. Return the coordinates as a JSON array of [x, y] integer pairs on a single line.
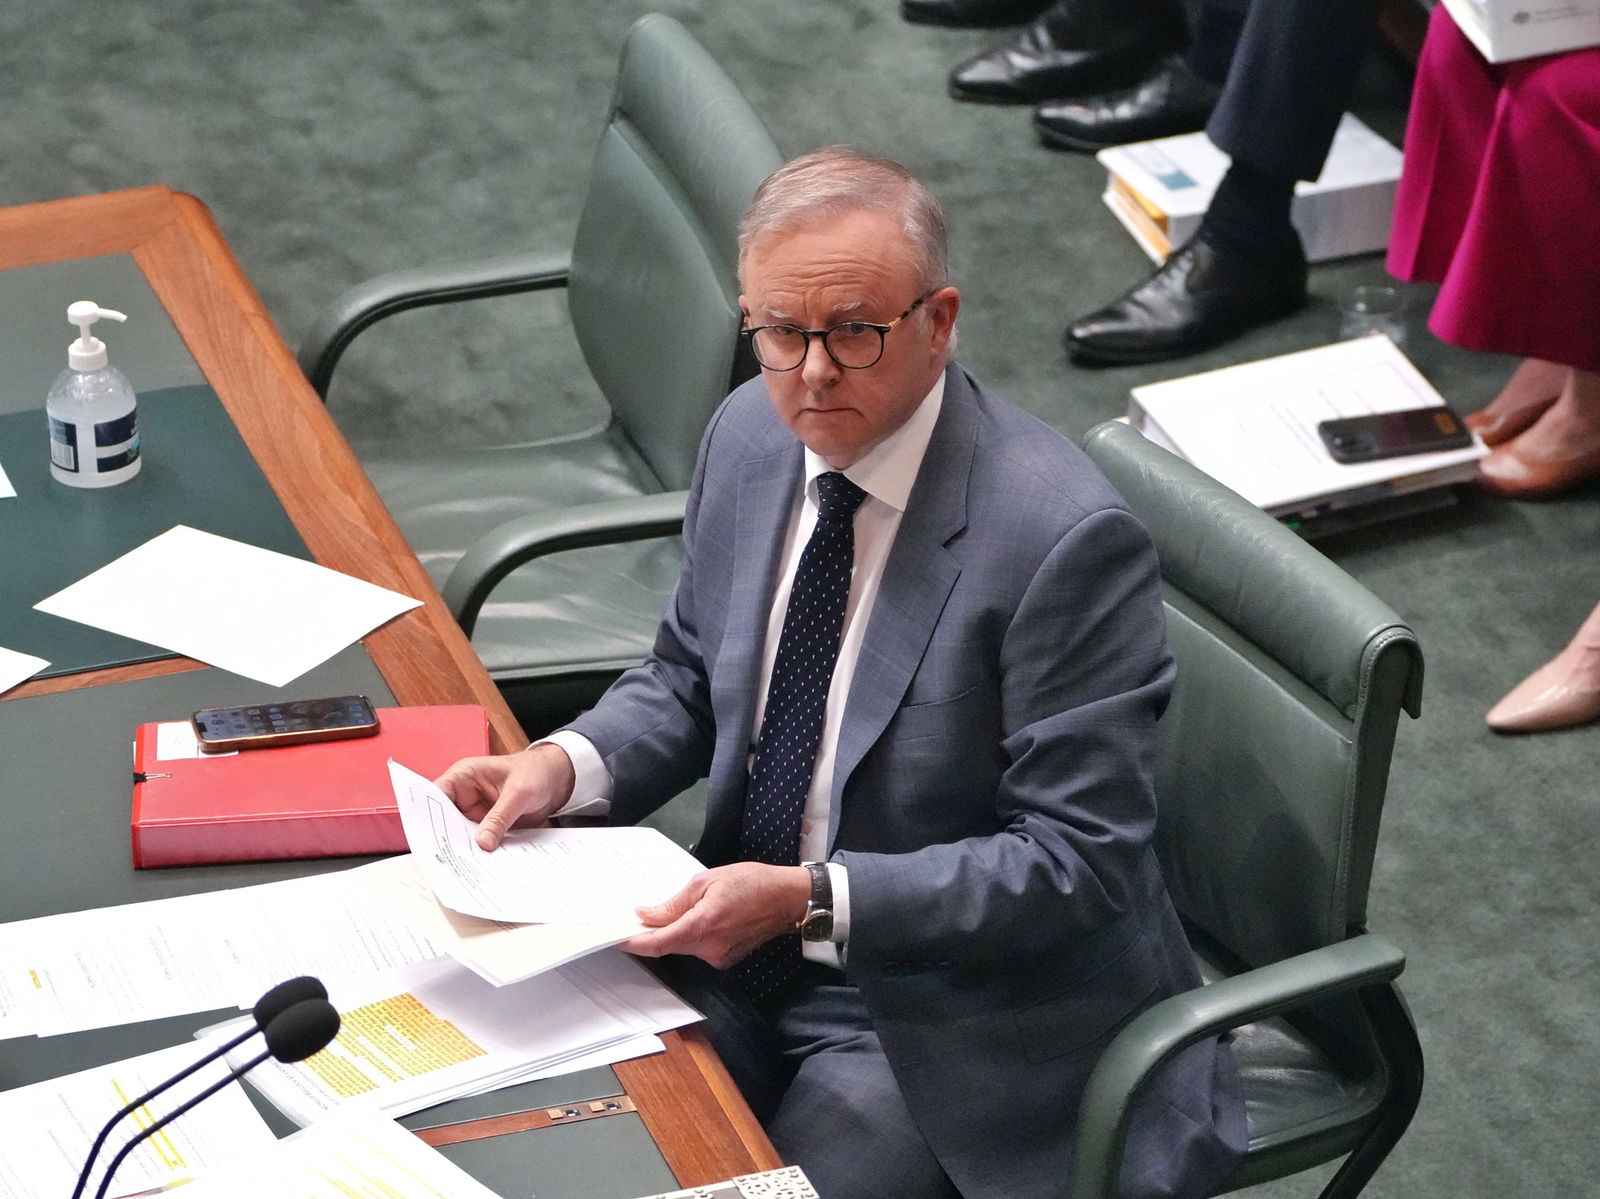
[[854, 345]]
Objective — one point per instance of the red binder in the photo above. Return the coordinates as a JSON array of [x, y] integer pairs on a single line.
[[302, 801]]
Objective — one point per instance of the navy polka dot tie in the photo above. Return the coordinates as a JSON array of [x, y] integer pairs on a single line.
[[791, 725]]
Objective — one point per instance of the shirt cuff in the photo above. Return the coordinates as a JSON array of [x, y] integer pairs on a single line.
[[840, 878], [591, 785]]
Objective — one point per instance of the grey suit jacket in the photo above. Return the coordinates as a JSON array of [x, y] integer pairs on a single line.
[[992, 796]]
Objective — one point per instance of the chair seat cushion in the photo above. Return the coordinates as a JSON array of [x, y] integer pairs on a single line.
[[579, 611], [1293, 1092]]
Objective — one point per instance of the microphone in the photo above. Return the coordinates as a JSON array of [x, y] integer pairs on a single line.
[[271, 1005], [292, 1035]]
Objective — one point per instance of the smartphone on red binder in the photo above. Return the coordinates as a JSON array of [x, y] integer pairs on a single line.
[[290, 722], [1394, 434]]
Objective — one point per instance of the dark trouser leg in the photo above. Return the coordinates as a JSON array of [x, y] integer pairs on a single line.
[[843, 1120], [1291, 80]]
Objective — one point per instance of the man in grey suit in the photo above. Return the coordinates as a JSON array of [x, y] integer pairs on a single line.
[[927, 717]]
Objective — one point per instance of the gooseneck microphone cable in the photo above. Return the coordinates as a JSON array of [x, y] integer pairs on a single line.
[[294, 1034], [268, 1008]]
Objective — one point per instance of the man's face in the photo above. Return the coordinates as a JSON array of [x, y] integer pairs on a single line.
[[855, 267]]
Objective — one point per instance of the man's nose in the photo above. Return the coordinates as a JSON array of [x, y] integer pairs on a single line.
[[818, 368]]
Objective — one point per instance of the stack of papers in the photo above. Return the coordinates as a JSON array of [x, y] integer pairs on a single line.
[[1253, 427], [437, 1032], [193, 953]]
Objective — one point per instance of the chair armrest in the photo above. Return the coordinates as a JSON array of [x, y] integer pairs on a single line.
[[367, 303], [504, 548], [1181, 1020]]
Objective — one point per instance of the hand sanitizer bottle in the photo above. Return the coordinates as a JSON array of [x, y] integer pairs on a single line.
[[94, 428]]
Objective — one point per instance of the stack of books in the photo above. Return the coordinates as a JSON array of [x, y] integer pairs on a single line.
[[1253, 427], [1159, 190]]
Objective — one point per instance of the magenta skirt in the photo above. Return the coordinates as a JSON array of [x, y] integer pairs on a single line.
[[1499, 199]]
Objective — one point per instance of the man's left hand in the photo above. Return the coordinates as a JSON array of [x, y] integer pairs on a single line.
[[725, 913]]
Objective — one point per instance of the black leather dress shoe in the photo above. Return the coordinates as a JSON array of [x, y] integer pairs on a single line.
[[1201, 297], [1170, 100], [972, 14], [1079, 46]]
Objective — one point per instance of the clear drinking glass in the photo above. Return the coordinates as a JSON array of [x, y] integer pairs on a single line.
[[1374, 308]]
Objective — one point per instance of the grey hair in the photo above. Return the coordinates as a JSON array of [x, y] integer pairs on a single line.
[[836, 180]]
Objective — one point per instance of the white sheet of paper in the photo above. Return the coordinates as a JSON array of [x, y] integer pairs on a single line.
[[537, 875], [61, 1116], [348, 1155], [6, 489], [261, 614], [166, 957], [17, 667]]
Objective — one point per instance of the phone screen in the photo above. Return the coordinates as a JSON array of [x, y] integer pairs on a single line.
[[285, 722], [1394, 434]]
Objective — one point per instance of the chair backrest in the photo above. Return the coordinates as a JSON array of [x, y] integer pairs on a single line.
[[1275, 750], [653, 291]]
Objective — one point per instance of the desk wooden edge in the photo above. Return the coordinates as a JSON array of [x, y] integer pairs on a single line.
[[175, 240], [661, 1092], [697, 1155]]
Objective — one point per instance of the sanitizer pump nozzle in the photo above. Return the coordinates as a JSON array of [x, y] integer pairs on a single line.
[[88, 353]]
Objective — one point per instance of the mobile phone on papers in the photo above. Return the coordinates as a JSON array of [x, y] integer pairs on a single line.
[[1394, 434], [293, 722]]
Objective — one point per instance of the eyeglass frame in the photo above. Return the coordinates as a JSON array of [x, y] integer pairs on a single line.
[[806, 335]]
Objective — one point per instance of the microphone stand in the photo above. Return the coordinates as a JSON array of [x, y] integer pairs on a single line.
[[99, 1141], [105, 1182]]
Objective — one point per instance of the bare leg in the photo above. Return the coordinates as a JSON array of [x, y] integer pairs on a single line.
[[1564, 691], [1532, 388], [1559, 451]]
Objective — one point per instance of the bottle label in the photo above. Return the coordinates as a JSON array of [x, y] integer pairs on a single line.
[[116, 442], [125, 456], [115, 432], [63, 444]]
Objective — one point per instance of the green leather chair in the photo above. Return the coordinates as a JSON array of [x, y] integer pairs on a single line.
[[654, 257], [1271, 778]]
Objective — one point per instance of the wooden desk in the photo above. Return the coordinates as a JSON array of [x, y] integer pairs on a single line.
[[693, 1111]]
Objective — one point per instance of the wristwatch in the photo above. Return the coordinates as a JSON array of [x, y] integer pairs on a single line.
[[817, 923]]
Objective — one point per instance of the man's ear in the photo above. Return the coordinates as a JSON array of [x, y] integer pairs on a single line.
[[942, 307]]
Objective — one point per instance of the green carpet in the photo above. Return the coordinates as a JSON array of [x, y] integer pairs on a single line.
[[337, 140]]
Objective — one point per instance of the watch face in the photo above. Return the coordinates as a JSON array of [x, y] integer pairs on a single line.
[[817, 926]]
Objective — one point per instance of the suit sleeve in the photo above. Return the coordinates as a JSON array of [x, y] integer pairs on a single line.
[[1082, 675], [654, 727]]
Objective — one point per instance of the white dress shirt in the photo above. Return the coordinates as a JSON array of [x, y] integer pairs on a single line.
[[886, 473]]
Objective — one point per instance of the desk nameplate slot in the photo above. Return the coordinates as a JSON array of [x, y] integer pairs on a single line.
[[544, 1117]]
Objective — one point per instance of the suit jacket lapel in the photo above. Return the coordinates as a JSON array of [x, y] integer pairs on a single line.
[[916, 582], [766, 493]]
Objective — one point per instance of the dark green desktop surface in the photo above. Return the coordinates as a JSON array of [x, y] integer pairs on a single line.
[[197, 471], [65, 801]]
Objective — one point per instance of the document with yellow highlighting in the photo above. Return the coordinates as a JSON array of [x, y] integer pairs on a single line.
[[436, 1031], [62, 1115]]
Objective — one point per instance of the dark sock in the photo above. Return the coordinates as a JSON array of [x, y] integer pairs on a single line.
[[1250, 213]]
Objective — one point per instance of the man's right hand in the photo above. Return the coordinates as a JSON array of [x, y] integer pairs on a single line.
[[524, 788]]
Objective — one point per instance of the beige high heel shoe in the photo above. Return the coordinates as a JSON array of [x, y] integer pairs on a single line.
[[1563, 692]]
